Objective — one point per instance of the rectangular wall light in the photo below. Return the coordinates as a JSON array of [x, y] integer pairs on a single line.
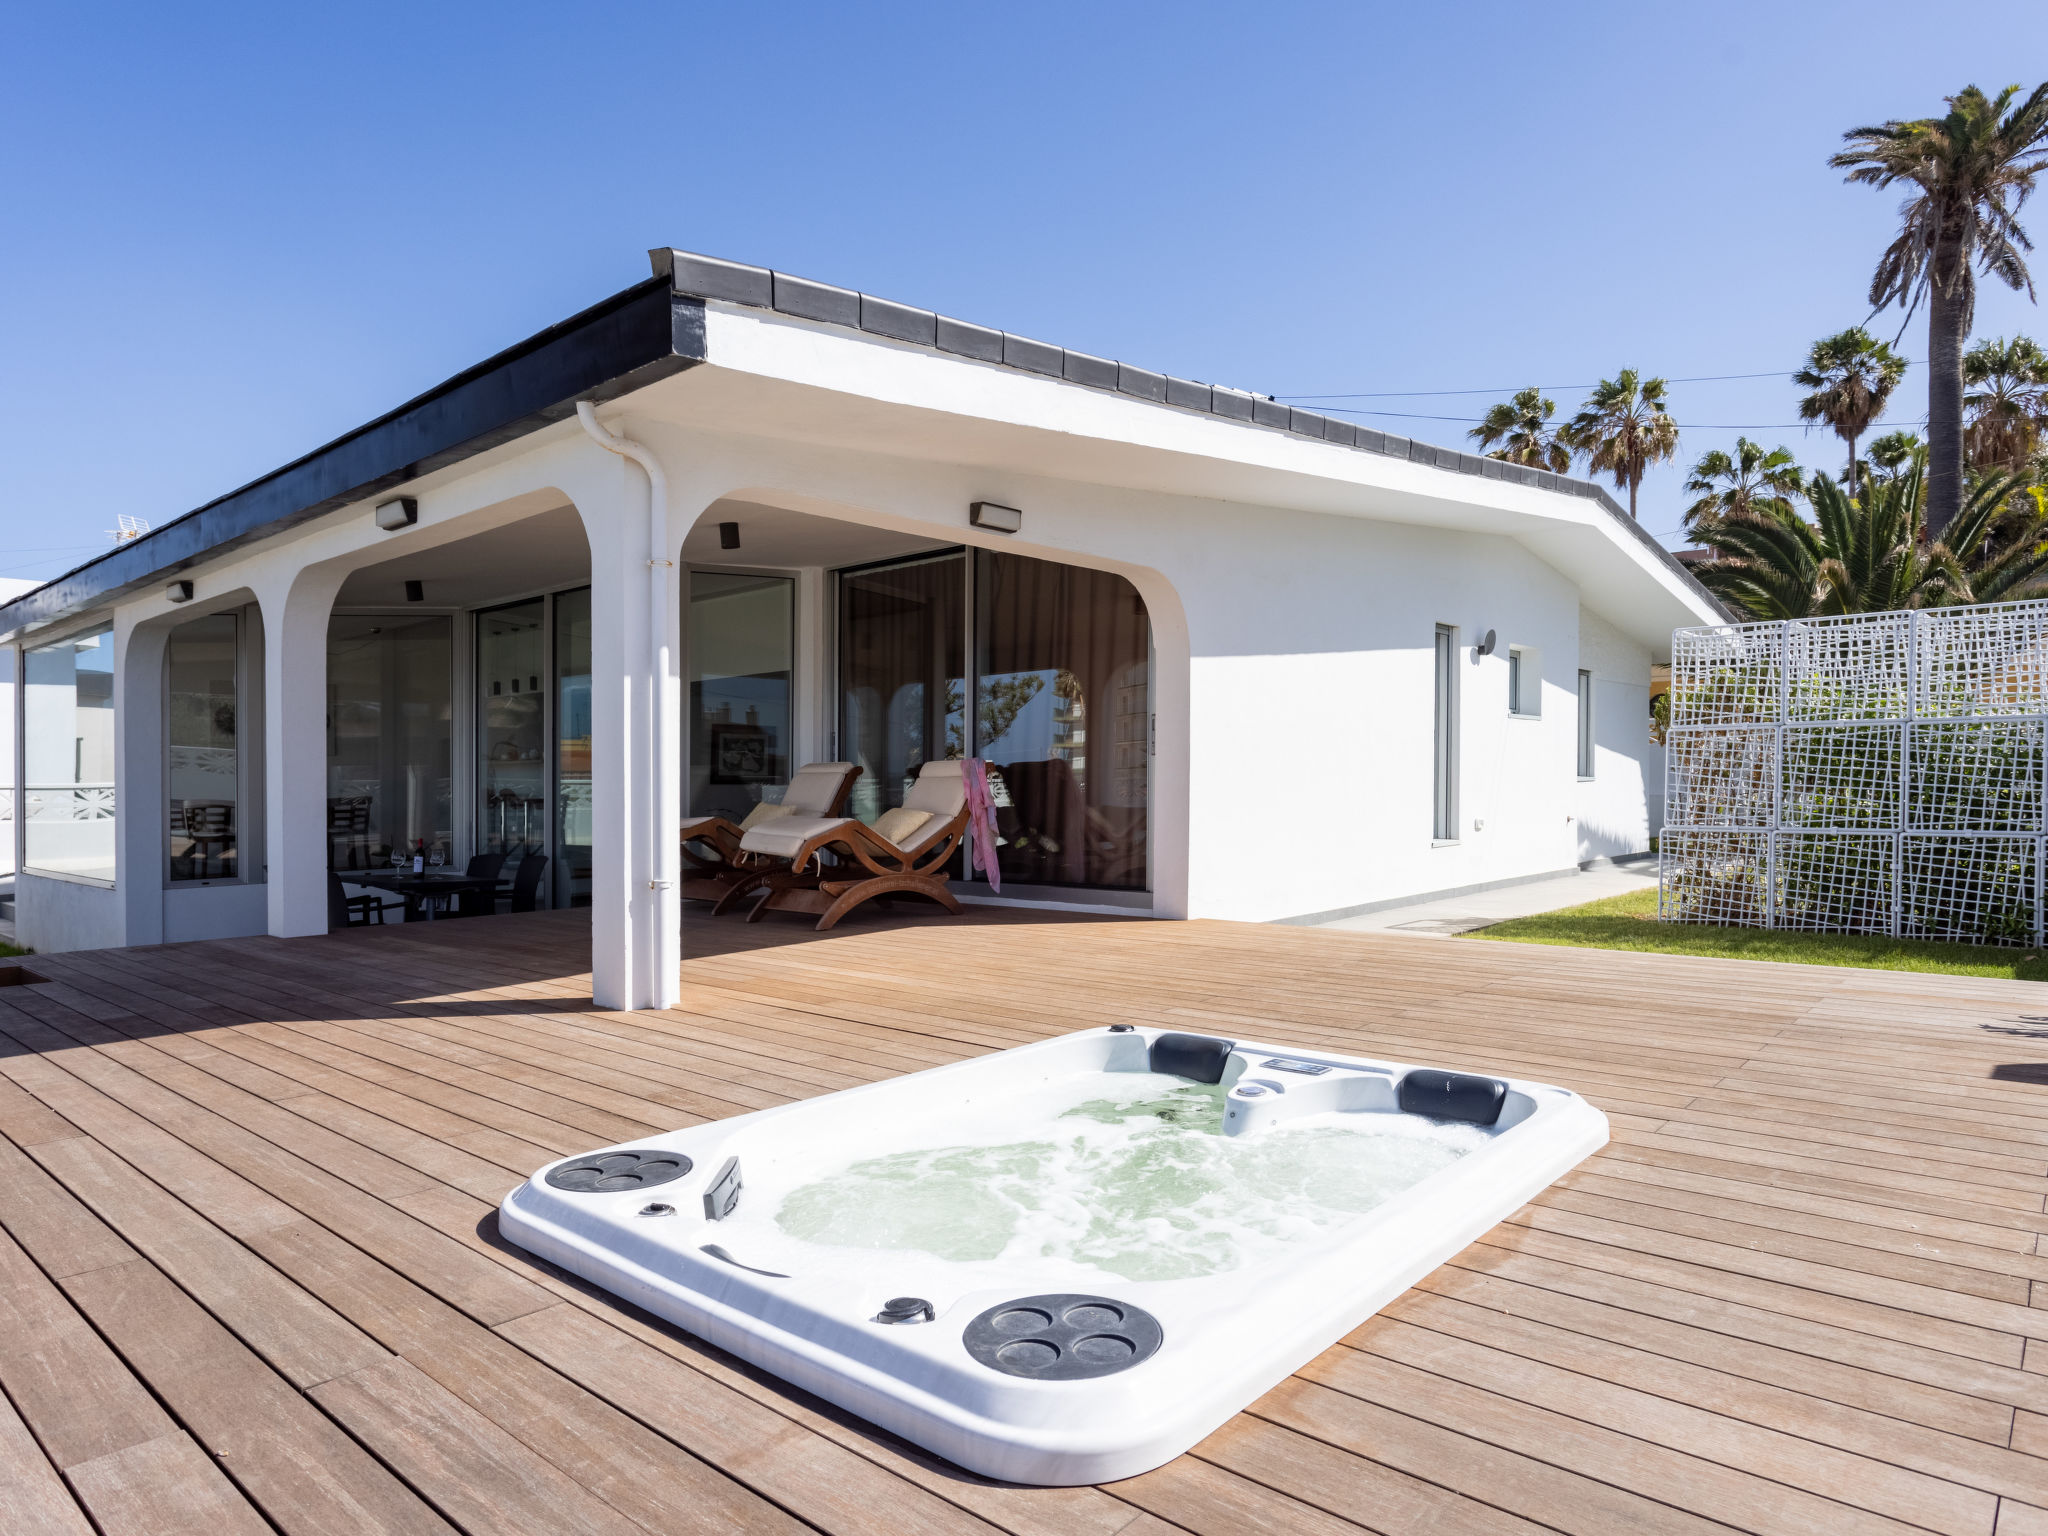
[[991, 515], [394, 515]]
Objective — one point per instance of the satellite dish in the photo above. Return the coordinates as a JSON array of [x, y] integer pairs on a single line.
[[1484, 647]]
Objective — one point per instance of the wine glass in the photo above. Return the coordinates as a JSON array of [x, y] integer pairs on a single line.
[[397, 857], [437, 857]]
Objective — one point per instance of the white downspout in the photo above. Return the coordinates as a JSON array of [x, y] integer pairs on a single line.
[[661, 850]]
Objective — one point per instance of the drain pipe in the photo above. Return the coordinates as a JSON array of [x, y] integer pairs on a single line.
[[661, 851]]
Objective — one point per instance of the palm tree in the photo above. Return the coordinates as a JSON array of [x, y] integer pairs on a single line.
[[1748, 480], [1522, 428], [1623, 428], [1868, 554], [1894, 453], [1971, 172], [2006, 408], [1852, 376]]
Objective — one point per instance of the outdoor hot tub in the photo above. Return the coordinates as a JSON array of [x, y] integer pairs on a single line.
[[1068, 1262]]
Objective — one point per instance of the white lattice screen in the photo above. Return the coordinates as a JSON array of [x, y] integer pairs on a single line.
[[1879, 773]]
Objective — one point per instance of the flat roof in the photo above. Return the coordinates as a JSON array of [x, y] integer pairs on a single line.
[[645, 333]]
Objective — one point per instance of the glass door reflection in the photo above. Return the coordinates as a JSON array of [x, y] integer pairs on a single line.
[[512, 732], [570, 877], [902, 673], [742, 650]]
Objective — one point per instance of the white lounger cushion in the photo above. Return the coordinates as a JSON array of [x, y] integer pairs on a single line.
[[782, 837], [901, 826], [767, 810], [813, 788], [940, 789]]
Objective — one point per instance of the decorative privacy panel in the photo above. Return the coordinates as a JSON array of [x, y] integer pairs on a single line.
[[1877, 773]]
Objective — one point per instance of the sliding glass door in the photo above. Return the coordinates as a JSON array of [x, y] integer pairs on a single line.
[[742, 636], [204, 764], [388, 717], [1063, 714], [512, 732], [570, 877], [902, 673], [1061, 680]]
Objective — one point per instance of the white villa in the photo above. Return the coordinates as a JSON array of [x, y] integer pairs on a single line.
[[1225, 658]]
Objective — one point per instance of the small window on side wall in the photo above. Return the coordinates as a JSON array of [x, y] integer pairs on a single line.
[[1525, 682], [1585, 724]]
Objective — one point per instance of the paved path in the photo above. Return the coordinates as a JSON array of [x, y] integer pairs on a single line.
[[1461, 914]]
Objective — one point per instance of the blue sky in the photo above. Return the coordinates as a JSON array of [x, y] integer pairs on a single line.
[[234, 232]]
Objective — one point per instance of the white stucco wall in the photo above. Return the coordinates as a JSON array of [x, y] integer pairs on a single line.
[[1294, 590], [1312, 722], [54, 915], [1613, 807]]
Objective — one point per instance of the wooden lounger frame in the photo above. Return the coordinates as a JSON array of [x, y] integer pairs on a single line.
[[805, 885]]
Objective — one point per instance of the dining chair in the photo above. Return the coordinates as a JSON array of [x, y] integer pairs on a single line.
[[480, 903]]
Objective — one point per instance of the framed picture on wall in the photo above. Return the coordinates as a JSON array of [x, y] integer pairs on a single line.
[[741, 754]]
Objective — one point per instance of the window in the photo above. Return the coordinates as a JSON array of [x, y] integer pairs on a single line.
[[200, 733], [388, 708], [1585, 724], [512, 732], [1056, 661], [69, 719], [1445, 823], [8, 810], [1062, 708], [742, 663], [1525, 682]]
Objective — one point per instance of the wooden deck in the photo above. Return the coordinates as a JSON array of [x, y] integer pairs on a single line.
[[250, 1279]]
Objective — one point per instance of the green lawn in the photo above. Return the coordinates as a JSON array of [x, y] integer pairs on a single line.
[[1630, 922]]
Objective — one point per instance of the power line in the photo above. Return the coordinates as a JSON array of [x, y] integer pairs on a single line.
[[1416, 394], [1687, 426]]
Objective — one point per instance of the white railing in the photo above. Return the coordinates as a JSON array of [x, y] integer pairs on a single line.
[[70, 802]]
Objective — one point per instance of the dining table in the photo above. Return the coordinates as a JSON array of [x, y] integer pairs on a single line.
[[425, 892]]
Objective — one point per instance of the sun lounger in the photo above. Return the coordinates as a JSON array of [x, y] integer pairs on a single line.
[[905, 853], [713, 864]]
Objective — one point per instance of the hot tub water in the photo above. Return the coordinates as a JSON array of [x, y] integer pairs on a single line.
[[1129, 1173]]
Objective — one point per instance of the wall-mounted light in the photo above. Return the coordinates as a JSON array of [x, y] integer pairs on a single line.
[[179, 592], [995, 517], [1485, 646], [415, 591], [394, 515], [728, 535]]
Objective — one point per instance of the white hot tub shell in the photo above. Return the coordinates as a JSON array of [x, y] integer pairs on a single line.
[[697, 1227]]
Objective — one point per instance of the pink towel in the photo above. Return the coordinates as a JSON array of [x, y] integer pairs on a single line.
[[981, 823]]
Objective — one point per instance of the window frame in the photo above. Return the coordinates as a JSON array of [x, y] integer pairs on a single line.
[[1524, 671], [1444, 737], [1587, 755], [243, 775], [23, 866]]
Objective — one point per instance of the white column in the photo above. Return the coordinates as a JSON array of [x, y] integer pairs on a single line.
[[635, 918], [140, 837], [295, 613]]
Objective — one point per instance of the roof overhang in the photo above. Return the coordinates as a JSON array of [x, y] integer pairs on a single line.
[[719, 346]]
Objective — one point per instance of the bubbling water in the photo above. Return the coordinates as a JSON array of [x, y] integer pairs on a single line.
[[1136, 1179]]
